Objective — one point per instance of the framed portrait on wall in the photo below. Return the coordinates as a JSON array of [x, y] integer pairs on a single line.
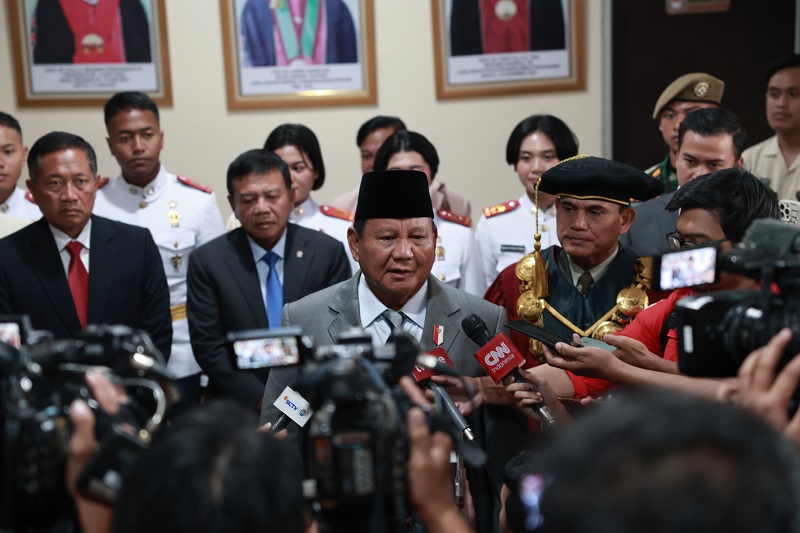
[[80, 52], [496, 47], [296, 53]]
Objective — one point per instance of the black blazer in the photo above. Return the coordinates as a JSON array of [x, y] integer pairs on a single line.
[[224, 294], [127, 284]]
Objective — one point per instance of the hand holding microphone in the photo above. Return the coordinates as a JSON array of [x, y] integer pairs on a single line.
[[500, 358]]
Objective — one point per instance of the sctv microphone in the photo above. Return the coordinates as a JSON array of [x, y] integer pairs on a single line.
[[422, 374], [499, 357], [293, 407]]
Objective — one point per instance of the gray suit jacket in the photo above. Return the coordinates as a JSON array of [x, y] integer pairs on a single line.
[[327, 313], [651, 226]]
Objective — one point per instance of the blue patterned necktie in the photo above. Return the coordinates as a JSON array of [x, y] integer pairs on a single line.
[[274, 291]]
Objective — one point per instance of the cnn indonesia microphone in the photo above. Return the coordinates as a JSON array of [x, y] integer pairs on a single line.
[[422, 373], [499, 357], [293, 407]]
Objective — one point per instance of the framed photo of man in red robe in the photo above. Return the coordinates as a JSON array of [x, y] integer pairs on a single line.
[[297, 53], [495, 47], [80, 52]]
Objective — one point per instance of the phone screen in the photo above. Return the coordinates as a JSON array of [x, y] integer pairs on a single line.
[[266, 352], [687, 268], [10, 334]]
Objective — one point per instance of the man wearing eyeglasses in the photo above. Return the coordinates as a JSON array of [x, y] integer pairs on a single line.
[[714, 209], [708, 140]]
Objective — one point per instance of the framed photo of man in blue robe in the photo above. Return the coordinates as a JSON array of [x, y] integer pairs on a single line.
[[297, 53], [80, 52], [494, 47]]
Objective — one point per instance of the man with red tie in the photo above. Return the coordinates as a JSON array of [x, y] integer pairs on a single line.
[[69, 268]]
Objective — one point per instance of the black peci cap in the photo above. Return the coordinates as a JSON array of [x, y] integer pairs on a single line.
[[394, 194], [586, 177]]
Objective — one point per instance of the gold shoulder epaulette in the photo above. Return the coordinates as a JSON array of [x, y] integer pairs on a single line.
[[454, 217], [336, 212], [499, 209], [194, 185]]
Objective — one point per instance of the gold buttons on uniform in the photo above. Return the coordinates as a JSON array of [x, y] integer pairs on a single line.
[[142, 204]]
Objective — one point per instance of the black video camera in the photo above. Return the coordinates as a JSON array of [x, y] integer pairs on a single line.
[[718, 329], [39, 378]]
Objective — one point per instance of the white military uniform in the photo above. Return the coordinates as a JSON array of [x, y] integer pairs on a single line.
[[182, 216], [325, 218], [457, 260], [505, 234], [20, 205]]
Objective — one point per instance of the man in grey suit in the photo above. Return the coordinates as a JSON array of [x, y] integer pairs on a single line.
[[708, 140], [393, 238], [240, 280]]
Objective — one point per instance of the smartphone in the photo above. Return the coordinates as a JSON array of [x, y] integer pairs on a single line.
[[540, 334], [265, 348], [685, 268]]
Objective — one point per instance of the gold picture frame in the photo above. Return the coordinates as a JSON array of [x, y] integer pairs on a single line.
[[551, 61], [127, 51], [268, 66]]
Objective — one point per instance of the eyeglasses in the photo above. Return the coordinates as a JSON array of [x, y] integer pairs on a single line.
[[676, 242]]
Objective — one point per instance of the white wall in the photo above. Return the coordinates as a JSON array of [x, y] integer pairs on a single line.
[[202, 136]]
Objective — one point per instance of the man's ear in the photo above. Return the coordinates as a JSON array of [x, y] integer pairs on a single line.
[[29, 184], [232, 204], [740, 162], [628, 215], [353, 241]]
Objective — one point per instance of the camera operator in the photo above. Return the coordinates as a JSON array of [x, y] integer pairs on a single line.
[[211, 459], [661, 462], [714, 209]]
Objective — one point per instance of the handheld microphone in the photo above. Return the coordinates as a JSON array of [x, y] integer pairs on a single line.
[[293, 407], [421, 373], [499, 357]]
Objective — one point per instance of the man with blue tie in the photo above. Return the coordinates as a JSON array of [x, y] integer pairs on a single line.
[[240, 280]]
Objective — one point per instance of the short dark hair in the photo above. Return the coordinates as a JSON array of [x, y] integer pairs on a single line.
[[129, 100], [302, 138], [58, 141], [563, 139], [7, 121], [376, 123], [713, 121], [210, 472], [735, 197], [257, 161], [792, 60], [659, 462], [407, 141]]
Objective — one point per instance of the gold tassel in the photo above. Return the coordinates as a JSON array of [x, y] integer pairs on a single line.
[[532, 273]]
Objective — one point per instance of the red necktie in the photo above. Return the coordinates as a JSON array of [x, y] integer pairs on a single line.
[[78, 280]]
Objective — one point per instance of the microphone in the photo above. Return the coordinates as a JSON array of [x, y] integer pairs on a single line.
[[773, 239], [499, 357], [424, 372], [293, 407]]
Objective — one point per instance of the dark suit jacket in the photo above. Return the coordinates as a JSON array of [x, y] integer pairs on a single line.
[[127, 284], [224, 294], [648, 233], [501, 431]]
